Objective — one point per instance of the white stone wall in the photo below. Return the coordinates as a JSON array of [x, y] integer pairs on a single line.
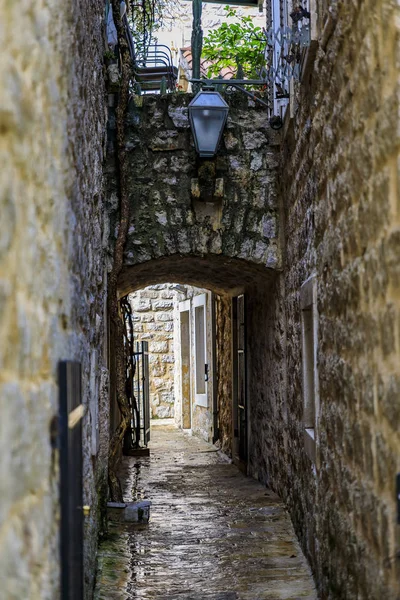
[[156, 320], [153, 314]]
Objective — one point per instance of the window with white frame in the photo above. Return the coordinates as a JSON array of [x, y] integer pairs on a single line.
[[309, 335], [200, 349]]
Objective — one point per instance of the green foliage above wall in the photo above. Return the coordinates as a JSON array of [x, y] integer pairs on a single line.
[[235, 44]]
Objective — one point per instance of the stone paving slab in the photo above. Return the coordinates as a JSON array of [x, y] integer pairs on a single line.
[[214, 534]]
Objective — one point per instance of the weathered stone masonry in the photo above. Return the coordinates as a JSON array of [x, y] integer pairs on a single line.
[[153, 315], [340, 183], [214, 231], [156, 319], [339, 176], [52, 130]]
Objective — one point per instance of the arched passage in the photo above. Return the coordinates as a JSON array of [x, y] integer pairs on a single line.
[[248, 330], [214, 224], [221, 274], [225, 211]]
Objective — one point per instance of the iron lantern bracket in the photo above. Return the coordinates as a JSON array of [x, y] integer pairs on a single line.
[[237, 84]]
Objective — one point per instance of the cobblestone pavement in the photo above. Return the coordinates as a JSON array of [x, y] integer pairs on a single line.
[[214, 534]]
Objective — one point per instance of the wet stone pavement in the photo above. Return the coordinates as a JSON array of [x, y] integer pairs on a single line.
[[213, 534]]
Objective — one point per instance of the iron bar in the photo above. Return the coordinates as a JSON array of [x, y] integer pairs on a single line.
[[197, 41], [237, 84]]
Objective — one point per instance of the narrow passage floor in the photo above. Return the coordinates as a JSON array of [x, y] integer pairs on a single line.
[[214, 534]]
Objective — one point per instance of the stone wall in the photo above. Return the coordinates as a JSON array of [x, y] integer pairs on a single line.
[[223, 345], [267, 386], [52, 123], [340, 183], [157, 320], [186, 208], [153, 314]]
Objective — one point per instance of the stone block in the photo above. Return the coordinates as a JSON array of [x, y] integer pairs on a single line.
[[164, 316], [256, 161], [167, 358], [158, 382], [163, 305], [231, 142], [154, 400], [219, 188], [152, 294], [167, 294], [158, 370], [162, 219], [163, 412], [158, 347], [167, 141], [167, 397], [195, 188], [268, 225], [155, 327], [143, 306], [254, 140], [147, 317], [272, 257], [179, 116]]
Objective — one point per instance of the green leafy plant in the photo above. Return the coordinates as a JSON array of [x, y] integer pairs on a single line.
[[239, 46], [109, 55]]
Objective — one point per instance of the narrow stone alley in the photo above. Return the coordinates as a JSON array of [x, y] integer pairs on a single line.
[[213, 534]]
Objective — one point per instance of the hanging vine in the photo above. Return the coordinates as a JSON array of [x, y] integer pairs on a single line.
[[113, 303], [132, 436]]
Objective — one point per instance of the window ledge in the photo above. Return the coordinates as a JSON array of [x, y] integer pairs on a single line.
[[201, 400], [309, 443]]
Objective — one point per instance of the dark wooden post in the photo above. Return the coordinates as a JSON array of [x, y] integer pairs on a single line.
[[71, 412], [197, 42]]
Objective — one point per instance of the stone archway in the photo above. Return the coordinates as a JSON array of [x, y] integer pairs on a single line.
[[226, 278], [214, 224], [220, 274], [184, 206]]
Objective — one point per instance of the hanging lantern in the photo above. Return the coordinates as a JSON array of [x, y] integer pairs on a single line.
[[208, 112]]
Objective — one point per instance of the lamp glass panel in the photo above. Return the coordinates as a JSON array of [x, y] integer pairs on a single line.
[[208, 99], [208, 125]]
